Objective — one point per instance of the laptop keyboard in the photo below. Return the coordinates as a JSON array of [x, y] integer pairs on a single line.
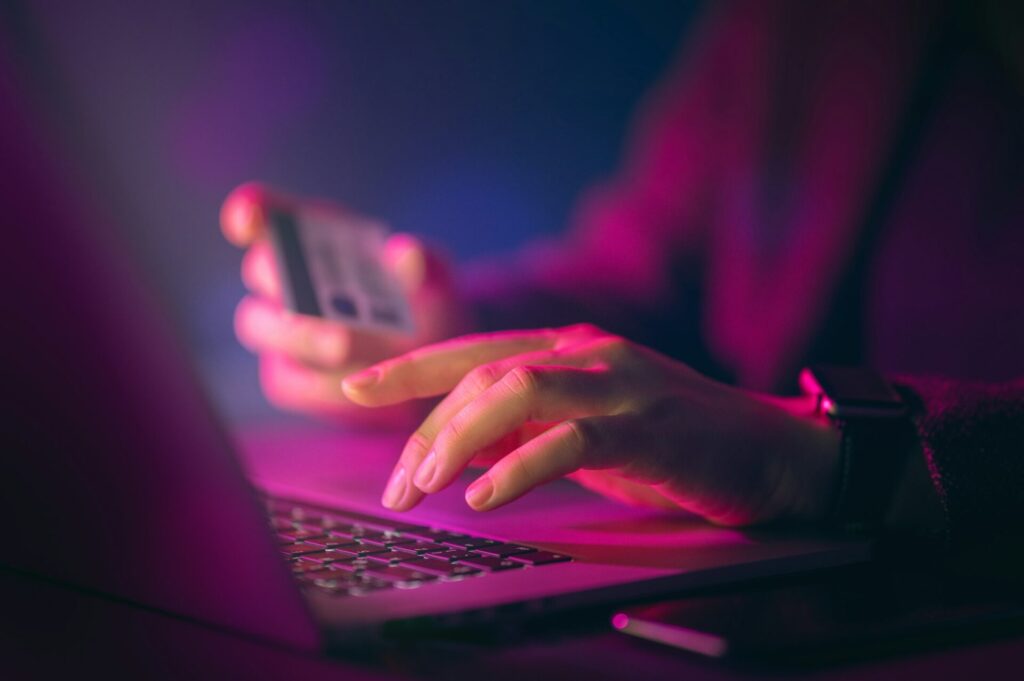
[[352, 554]]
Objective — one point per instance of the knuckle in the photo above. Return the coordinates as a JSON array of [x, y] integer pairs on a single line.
[[482, 377], [452, 433], [418, 444], [525, 472], [616, 347], [523, 381], [584, 329], [582, 434]]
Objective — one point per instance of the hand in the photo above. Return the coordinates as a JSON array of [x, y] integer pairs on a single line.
[[620, 418], [302, 358]]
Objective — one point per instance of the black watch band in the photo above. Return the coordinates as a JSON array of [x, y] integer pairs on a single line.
[[876, 434], [872, 457]]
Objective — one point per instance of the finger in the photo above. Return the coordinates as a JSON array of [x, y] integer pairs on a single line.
[[264, 326], [477, 381], [594, 442], [292, 386], [489, 454], [406, 258], [400, 494], [242, 213], [421, 442], [259, 271], [524, 394], [295, 387], [436, 369], [416, 266], [483, 377]]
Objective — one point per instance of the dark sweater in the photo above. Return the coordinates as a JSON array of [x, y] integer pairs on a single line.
[[821, 182]]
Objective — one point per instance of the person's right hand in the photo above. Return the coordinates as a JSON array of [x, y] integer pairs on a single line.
[[303, 359]]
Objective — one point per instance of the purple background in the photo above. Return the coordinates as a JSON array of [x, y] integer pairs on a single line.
[[474, 124]]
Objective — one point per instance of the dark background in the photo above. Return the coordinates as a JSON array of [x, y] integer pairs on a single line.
[[475, 124]]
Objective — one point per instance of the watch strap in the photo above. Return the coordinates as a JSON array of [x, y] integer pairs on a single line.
[[871, 461]]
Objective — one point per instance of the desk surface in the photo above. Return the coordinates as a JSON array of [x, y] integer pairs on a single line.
[[50, 631]]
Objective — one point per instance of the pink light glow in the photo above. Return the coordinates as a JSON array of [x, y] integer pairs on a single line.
[[620, 620]]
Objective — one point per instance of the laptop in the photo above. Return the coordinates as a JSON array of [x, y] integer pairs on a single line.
[[117, 476]]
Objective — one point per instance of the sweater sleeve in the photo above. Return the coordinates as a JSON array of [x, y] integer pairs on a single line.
[[972, 438]]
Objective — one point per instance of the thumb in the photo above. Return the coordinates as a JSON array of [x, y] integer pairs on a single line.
[[414, 265]]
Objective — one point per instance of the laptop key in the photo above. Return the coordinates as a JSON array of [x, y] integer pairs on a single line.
[[298, 535], [348, 554], [540, 558], [323, 517], [441, 568], [326, 557], [351, 565], [342, 519], [308, 563], [466, 542], [356, 550], [503, 550], [451, 555], [426, 534], [422, 547], [293, 550], [386, 541], [331, 541], [490, 563], [364, 587], [333, 579], [397, 573], [318, 572], [390, 557], [407, 530]]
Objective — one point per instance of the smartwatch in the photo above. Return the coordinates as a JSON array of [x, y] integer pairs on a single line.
[[876, 434]]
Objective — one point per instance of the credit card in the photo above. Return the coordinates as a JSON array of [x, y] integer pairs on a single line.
[[332, 266]]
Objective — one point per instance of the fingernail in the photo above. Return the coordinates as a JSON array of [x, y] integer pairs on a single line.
[[425, 473], [395, 489], [480, 492], [362, 380]]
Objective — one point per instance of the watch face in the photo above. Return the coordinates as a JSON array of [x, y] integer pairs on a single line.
[[847, 392]]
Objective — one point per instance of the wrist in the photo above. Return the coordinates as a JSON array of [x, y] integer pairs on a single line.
[[871, 419], [817, 467], [807, 450]]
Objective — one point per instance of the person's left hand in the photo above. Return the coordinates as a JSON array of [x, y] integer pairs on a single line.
[[617, 417]]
